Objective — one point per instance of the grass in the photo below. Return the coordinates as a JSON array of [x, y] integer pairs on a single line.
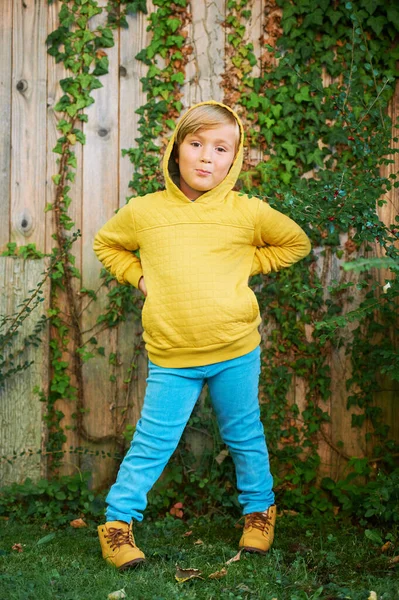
[[311, 560]]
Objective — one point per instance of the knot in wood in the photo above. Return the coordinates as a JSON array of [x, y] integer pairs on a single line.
[[122, 71], [22, 85], [102, 132], [25, 223]]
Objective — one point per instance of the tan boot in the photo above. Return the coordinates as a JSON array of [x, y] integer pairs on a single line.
[[258, 531], [118, 546]]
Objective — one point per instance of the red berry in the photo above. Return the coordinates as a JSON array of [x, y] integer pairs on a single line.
[[331, 218], [352, 139]]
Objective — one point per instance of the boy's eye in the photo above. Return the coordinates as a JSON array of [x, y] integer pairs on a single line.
[[221, 149], [195, 144]]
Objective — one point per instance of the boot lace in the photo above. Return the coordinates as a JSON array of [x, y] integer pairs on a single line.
[[118, 537], [258, 520]]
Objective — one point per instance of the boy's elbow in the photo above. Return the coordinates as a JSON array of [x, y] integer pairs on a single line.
[[98, 247]]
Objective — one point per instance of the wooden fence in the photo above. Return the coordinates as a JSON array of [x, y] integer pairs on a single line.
[[29, 89]]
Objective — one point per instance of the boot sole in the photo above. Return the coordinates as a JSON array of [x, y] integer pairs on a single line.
[[131, 564], [253, 550]]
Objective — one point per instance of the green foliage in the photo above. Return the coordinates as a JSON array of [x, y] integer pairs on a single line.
[[338, 134], [54, 502], [162, 86], [375, 502], [13, 349], [28, 251]]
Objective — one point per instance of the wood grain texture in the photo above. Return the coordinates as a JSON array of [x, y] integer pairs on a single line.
[[28, 154], [206, 66], [100, 200], [21, 416], [5, 121], [56, 72], [131, 70]]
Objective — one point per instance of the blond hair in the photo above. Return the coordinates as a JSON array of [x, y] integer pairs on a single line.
[[206, 116]]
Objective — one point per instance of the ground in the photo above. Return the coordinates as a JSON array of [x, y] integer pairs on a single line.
[[321, 559]]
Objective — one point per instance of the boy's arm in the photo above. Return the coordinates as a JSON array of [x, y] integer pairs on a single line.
[[280, 241], [114, 244]]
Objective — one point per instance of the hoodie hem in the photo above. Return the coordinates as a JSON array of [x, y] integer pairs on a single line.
[[176, 358]]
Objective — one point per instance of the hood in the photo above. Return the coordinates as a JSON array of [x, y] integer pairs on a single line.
[[171, 169]]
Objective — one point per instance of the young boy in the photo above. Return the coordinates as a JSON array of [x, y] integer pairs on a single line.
[[199, 243]]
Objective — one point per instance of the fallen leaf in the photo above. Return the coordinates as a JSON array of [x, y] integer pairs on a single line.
[[187, 533], [117, 595], [46, 538], [198, 543], [234, 559], [244, 588], [78, 523], [17, 548], [394, 561], [177, 511], [183, 575], [386, 547], [218, 574], [373, 596], [288, 513], [221, 456]]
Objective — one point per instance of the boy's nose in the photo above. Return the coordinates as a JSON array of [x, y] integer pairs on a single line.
[[205, 159]]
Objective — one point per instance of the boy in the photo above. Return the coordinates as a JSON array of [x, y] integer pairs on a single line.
[[199, 243]]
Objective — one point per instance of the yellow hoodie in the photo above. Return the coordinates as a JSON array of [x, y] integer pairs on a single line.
[[197, 258]]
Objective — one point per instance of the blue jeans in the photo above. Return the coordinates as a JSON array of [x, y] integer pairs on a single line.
[[169, 400]]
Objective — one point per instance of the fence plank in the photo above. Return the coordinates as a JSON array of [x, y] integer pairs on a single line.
[[21, 417], [56, 72], [28, 154], [5, 121], [131, 70], [100, 200], [205, 68]]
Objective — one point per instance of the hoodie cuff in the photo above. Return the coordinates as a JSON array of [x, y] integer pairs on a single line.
[[133, 274]]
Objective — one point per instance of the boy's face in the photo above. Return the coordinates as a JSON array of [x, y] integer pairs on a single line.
[[205, 158]]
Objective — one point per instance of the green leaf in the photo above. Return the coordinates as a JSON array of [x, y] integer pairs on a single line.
[[179, 77], [46, 539], [370, 5], [377, 24], [374, 536], [393, 16], [291, 148]]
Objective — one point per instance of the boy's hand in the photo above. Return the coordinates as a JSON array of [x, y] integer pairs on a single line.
[[142, 286]]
